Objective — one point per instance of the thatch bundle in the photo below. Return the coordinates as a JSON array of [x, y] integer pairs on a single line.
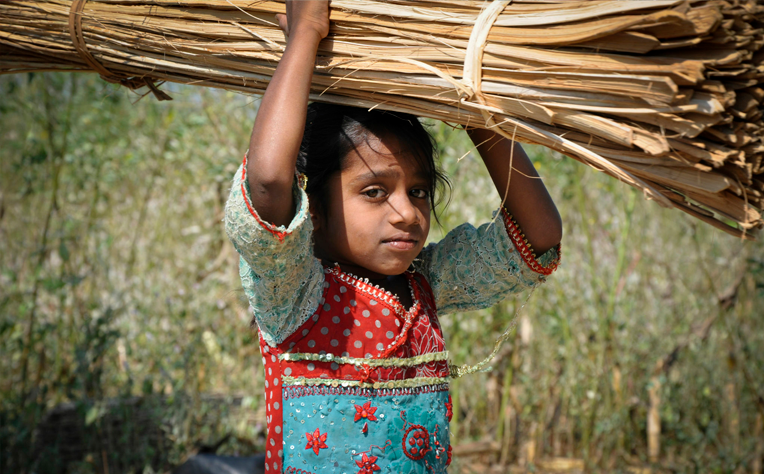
[[664, 95]]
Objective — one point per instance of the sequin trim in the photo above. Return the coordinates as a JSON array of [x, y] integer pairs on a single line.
[[306, 391], [525, 249], [405, 383], [388, 362], [374, 291]]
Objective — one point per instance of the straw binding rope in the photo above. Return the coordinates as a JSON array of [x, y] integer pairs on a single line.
[[473, 59], [78, 39]]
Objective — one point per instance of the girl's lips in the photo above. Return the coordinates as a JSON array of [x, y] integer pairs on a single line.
[[401, 244]]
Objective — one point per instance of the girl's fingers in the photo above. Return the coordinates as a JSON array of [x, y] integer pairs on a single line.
[[311, 14], [283, 23]]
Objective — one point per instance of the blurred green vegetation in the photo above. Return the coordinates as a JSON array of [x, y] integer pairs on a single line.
[[120, 298]]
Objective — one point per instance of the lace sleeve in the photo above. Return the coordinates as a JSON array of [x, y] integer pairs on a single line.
[[475, 268], [280, 276]]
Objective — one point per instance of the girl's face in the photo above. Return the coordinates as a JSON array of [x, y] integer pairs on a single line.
[[378, 211]]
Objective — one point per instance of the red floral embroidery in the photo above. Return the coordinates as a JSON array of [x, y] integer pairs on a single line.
[[448, 460], [419, 442], [367, 464], [449, 408], [316, 441], [365, 411]]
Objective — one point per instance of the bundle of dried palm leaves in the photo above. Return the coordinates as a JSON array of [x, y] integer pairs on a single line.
[[664, 95]]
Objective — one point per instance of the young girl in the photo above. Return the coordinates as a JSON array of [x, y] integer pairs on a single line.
[[345, 296]]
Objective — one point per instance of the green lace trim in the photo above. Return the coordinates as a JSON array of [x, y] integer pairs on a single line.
[[387, 362]]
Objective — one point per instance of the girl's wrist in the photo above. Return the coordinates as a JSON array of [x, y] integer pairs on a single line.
[[305, 36]]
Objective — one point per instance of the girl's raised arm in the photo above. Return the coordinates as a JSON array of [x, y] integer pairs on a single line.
[[526, 197], [280, 122]]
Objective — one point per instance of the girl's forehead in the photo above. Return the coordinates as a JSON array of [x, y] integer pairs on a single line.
[[382, 152]]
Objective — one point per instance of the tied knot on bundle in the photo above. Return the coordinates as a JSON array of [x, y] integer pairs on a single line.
[[473, 60], [471, 95], [78, 39]]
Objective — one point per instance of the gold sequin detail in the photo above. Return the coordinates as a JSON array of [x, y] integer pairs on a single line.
[[405, 383], [387, 362]]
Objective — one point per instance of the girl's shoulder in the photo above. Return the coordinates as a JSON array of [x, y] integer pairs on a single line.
[[280, 276], [475, 267]]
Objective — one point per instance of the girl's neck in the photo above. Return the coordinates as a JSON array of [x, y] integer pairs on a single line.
[[397, 285], [361, 272]]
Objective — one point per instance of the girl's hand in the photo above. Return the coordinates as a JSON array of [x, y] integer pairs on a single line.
[[304, 15]]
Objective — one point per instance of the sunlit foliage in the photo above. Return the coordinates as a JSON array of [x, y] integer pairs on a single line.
[[117, 282]]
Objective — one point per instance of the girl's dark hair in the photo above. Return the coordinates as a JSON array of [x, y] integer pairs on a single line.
[[332, 131]]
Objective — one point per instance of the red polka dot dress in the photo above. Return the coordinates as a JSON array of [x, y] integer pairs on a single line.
[[354, 381]]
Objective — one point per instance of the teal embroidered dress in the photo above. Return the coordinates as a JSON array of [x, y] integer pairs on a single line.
[[354, 381]]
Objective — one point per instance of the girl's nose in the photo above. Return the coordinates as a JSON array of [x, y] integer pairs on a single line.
[[403, 211]]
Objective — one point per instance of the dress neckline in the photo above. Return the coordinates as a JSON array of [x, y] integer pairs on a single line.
[[385, 297], [380, 294]]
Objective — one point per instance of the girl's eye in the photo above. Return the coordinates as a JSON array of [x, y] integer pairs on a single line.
[[420, 193], [374, 193]]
